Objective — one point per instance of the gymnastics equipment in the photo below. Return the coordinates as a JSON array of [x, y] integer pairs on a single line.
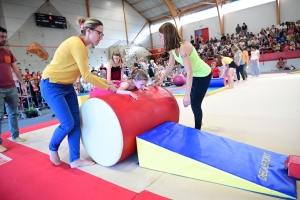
[[179, 80], [185, 151], [82, 97], [110, 123], [293, 166], [217, 82]]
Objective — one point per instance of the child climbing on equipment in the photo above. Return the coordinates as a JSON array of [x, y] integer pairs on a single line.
[[137, 80], [222, 60]]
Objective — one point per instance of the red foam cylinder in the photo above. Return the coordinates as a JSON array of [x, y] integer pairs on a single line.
[[110, 123]]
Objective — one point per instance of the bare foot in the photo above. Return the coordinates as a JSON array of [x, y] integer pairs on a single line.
[[81, 163], [231, 87], [2, 148], [19, 139], [54, 157]]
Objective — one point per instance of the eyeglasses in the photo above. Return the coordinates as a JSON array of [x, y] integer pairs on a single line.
[[100, 33]]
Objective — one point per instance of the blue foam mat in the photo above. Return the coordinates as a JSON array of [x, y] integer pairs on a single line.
[[236, 158], [182, 91]]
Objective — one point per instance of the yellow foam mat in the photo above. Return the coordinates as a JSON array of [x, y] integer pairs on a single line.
[[82, 99], [296, 72], [157, 158]]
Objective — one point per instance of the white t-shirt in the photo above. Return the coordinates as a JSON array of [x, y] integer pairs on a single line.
[[242, 44], [254, 54], [284, 26]]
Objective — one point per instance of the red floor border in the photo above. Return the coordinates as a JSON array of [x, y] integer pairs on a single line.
[[144, 195]]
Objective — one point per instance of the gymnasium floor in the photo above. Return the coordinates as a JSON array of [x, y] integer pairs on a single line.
[[263, 112]]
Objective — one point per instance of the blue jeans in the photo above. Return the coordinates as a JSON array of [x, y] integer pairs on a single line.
[[62, 100], [9, 96]]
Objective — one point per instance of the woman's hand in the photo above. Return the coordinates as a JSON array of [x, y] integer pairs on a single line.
[[112, 88], [134, 96], [109, 82], [186, 101]]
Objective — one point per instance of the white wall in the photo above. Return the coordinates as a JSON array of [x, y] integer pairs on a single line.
[[257, 17], [18, 18], [29, 32], [71, 10], [289, 10], [15, 13], [156, 42], [112, 16], [212, 24], [144, 38]]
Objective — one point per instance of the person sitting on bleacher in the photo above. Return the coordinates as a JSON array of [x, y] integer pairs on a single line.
[[282, 40], [280, 64], [292, 46], [286, 47], [278, 47], [102, 73]]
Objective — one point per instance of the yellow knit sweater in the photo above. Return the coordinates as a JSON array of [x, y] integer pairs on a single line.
[[69, 61]]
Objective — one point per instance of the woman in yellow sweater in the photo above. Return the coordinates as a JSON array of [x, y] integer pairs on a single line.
[[69, 62]]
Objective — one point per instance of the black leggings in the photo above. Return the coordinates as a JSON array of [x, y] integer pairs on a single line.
[[198, 91], [240, 69]]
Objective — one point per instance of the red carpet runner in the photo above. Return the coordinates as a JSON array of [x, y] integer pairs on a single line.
[[30, 175]]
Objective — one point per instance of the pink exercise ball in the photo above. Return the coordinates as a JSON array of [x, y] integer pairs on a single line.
[[179, 80]]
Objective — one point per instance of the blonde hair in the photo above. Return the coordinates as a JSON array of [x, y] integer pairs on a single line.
[[234, 48], [139, 75], [90, 23], [220, 60]]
